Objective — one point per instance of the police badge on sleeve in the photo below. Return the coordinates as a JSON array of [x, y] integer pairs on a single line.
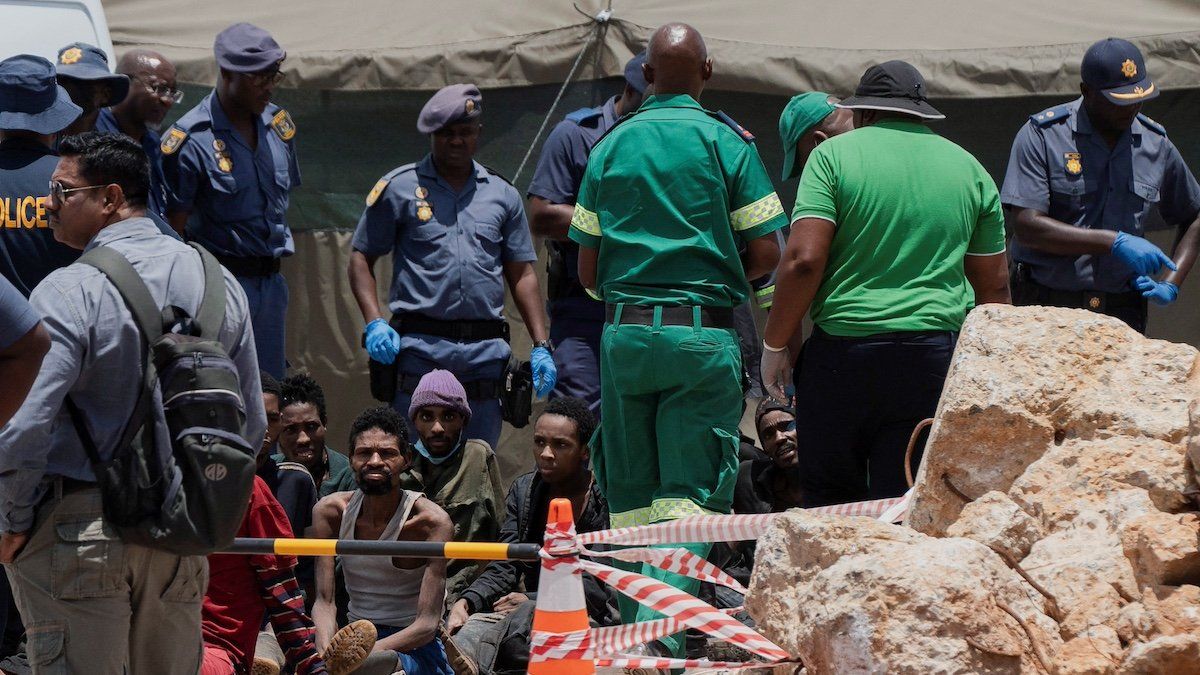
[[283, 125]]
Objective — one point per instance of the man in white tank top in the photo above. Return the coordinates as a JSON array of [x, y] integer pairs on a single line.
[[402, 597]]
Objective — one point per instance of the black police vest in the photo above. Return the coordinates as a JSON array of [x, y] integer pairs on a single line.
[[28, 251]]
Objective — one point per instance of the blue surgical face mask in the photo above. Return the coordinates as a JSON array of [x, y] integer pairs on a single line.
[[420, 446]]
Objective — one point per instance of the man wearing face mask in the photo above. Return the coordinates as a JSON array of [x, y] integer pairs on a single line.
[[458, 474]]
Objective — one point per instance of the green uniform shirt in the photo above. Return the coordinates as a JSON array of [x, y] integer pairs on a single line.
[[908, 205], [667, 197]]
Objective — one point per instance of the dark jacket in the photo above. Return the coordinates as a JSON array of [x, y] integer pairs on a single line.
[[525, 511]]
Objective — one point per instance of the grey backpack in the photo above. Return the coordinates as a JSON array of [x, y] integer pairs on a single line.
[[180, 478]]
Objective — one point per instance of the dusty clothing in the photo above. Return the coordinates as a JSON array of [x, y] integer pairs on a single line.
[[467, 487], [94, 604]]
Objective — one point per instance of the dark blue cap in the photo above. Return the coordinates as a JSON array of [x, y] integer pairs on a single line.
[[633, 72], [455, 103], [81, 61], [30, 98], [1116, 68], [246, 48]]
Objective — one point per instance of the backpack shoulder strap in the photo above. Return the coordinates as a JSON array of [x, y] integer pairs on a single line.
[[211, 313], [131, 287]]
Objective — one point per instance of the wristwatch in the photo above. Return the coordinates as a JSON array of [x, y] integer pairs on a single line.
[[548, 344]]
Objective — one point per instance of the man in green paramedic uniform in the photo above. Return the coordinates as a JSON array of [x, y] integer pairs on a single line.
[[667, 196]]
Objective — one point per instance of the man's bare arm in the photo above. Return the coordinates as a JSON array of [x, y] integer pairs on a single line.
[[19, 365], [1043, 233], [988, 275], [327, 519], [431, 602], [361, 271], [1185, 253], [527, 295], [547, 219]]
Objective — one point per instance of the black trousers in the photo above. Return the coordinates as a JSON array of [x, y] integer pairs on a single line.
[[857, 403], [1129, 307]]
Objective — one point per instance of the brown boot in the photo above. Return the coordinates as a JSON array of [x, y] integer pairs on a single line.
[[349, 647], [461, 663], [264, 666]]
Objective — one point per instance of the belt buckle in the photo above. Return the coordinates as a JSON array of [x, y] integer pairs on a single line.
[[1095, 301]]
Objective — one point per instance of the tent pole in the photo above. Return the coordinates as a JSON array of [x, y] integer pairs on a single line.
[[601, 20]]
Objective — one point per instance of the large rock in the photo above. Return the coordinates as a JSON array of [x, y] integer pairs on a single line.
[[1064, 441], [852, 595], [1025, 380], [998, 522]]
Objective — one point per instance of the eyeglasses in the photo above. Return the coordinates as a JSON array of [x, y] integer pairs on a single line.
[[58, 193], [262, 79], [163, 91]]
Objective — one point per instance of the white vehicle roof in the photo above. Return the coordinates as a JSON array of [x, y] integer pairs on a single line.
[[42, 27]]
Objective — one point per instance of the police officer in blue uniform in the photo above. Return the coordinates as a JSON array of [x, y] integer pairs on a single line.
[[33, 109], [83, 71], [576, 320], [1082, 179], [230, 165], [152, 94], [457, 234]]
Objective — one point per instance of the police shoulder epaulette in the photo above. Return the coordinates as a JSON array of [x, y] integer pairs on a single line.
[[1051, 115], [382, 183], [281, 123], [191, 122], [741, 131], [172, 140], [1152, 125], [584, 114], [497, 174]]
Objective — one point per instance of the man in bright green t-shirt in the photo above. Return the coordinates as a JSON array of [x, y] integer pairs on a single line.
[[667, 196], [896, 234]]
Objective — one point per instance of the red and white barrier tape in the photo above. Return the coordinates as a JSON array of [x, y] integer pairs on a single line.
[[605, 646]]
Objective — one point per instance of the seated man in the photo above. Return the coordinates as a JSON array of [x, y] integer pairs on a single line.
[[770, 485], [560, 451], [458, 474], [290, 482], [244, 588], [402, 597], [302, 436]]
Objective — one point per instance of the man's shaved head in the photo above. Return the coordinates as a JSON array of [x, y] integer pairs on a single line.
[[677, 60], [136, 61], [147, 70]]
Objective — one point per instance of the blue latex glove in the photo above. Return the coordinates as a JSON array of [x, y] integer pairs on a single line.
[[1158, 292], [1140, 255], [545, 375], [383, 342]]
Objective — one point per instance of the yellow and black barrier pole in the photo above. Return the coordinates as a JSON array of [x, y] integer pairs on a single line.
[[396, 549]]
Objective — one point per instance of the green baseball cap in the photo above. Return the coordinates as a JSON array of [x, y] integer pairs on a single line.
[[801, 114]]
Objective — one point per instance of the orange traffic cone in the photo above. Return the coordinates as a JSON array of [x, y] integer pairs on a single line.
[[560, 604]]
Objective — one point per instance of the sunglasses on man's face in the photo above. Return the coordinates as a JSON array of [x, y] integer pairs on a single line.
[[59, 192]]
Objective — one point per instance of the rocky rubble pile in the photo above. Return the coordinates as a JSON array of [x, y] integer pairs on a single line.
[[1054, 525]]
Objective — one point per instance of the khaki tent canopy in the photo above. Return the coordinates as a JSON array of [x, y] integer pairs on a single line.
[[358, 73], [966, 49]]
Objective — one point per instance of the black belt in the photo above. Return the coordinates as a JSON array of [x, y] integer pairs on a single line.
[[898, 336], [477, 390], [458, 331], [1097, 301], [643, 315], [253, 266]]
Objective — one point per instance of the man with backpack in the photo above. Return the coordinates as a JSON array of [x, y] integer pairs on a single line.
[[105, 572]]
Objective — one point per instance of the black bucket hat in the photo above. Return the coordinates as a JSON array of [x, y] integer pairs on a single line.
[[895, 86]]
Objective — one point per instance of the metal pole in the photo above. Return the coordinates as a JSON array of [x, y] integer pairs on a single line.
[[396, 549]]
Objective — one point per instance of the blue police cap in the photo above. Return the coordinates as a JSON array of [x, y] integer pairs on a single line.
[[30, 98], [1116, 68], [633, 72], [455, 103], [246, 48], [81, 61]]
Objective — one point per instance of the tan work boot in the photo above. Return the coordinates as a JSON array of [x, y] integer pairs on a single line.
[[264, 666], [349, 647], [459, 662], [268, 657]]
